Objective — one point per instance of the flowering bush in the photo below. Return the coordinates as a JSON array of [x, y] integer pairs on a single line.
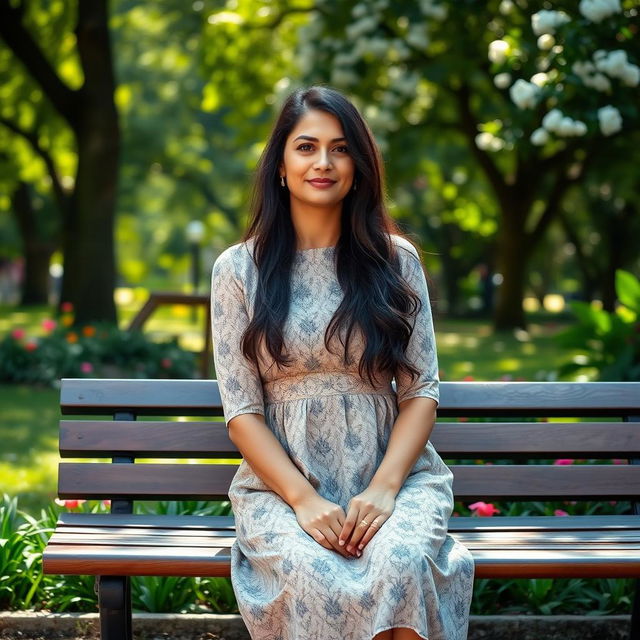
[[100, 350]]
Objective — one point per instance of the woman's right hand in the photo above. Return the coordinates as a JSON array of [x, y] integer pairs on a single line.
[[322, 520]]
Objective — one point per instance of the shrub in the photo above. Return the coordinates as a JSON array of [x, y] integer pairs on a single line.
[[100, 350], [610, 341]]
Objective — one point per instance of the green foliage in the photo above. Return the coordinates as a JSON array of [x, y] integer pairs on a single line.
[[100, 350], [610, 341]]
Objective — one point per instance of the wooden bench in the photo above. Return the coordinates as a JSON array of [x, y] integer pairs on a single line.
[[118, 545]]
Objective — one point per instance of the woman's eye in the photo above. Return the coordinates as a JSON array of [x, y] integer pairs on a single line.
[[343, 149], [304, 147]]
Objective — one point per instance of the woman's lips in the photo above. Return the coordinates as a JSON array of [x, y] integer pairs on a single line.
[[322, 184]]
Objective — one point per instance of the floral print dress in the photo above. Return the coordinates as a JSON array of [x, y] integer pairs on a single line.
[[335, 428]]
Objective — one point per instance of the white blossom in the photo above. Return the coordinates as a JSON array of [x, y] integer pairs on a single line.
[[357, 29], [502, 80], [598, 10], [539, 79], [599, 82], [488, 142], [524, 94], [359, 11], [563, 126], [539, 137], [417, 36], [506, 7], [546, 41], [432, 10], [548, 21], [552, 120], [610, 120], [498, 50], [631, 75]]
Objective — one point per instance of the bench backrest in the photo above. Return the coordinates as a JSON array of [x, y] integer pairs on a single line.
[[506, 433]]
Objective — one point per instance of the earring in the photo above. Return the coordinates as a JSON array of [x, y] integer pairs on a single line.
[[354, 185], [282, 181]]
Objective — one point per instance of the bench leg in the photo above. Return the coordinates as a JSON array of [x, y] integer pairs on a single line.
[[635, 613], [114, 597]]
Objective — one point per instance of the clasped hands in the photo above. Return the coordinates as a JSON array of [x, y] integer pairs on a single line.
[[327, 523]]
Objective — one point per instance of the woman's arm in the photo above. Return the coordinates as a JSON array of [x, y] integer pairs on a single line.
[[266, 456], [407, 441], [317, 516]]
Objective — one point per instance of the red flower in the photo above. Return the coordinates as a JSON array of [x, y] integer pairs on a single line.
[[483, 509], [562, 461], [69, 504], [468, 378], [166, 363], [31, 345], [66, 307], [49, 325]]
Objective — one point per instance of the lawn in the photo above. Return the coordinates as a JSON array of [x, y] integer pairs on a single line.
[[29, 416]]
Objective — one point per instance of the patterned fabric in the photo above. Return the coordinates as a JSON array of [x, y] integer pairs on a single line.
[[335, 427]]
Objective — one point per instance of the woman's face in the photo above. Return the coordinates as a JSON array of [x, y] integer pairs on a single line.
[[317, 165]]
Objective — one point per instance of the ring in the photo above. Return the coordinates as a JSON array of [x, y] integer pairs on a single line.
[[373, 524], [364, 522]]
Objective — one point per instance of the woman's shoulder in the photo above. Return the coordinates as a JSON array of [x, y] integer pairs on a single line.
[[237, 257], [405, 247]]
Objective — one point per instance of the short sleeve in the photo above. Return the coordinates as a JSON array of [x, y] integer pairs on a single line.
[[238, 377], [421, 350]]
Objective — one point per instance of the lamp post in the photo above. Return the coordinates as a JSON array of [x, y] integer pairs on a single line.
[[195, 233]]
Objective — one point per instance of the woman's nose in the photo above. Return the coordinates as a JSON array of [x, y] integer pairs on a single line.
[[323, 159]]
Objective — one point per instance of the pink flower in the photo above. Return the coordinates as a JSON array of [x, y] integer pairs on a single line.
[[106, 503], [69, 504], [86, 367], [562, 461], [483, 509], [48, 324], [18, 334], [619, 461], [506, 377], [560, 512], [166, 363]]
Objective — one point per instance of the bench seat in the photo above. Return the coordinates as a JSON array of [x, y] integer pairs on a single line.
[[534, 547]]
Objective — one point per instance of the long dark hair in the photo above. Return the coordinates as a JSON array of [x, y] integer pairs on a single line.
[[377, 298]]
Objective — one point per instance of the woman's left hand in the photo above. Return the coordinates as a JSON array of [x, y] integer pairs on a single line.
[[366, 513]]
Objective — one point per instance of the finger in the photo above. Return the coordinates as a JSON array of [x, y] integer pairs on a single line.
[[358, 532], [332, 537], [371, 531], [348, 525], [320, 538]]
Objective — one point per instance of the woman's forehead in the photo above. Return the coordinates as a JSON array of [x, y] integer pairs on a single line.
[[318, 124]]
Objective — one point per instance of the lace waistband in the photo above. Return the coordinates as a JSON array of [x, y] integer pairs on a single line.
[[324, 383]]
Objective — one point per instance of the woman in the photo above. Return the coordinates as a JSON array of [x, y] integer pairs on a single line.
[[341, 503]]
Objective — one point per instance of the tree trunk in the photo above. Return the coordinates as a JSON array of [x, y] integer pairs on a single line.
[[88, 242], [511, 262], [37, 249]]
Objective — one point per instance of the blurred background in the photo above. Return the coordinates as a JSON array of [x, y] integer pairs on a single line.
[[130, 130]]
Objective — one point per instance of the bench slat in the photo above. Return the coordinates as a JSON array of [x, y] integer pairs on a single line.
[[100, 481], [202, 397], [189, 523], [79, 438], [194, 561]]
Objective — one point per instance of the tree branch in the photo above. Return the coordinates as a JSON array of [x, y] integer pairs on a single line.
[[469, 127], [58, 190], [25, 48]]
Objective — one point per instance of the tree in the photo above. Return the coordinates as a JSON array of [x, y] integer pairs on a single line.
[[87, 206], [450, 66]]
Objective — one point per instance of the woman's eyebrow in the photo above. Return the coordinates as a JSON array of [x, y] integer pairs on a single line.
[[316, 139]]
